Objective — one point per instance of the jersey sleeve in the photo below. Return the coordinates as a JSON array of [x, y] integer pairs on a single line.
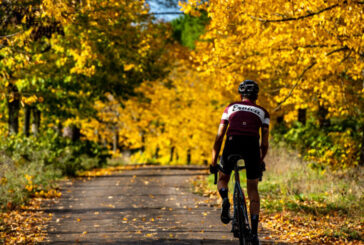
[[266, 119], [225, 116]]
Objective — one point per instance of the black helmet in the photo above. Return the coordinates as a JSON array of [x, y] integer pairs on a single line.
[[249, 89]]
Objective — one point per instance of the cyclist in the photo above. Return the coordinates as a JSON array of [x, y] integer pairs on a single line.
[[244, 118]]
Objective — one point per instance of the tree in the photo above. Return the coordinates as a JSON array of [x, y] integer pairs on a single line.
[[187, 29], [63, 55], [305, 55]]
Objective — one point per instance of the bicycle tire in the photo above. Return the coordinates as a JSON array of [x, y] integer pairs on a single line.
[[246, 228], [240, 217]]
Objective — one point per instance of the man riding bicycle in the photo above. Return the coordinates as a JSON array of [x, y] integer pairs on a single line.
[[245, 119]]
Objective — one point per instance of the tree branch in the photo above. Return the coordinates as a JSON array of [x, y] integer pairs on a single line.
[[296, 18], [300, 78], [337, 50], [11, 35], [305, 70]]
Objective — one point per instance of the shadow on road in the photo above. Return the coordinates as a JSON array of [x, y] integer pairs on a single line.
[[162, 242]]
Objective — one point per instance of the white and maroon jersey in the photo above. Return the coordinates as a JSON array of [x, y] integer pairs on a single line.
[[244, 118]]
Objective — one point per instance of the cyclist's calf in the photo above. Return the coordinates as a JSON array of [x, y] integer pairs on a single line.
[[223, 180], [253, 194]]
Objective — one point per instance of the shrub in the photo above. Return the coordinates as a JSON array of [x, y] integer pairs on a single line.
[[337, 145], [29, 165]]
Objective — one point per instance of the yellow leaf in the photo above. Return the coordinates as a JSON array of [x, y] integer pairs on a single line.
[[128, 67]]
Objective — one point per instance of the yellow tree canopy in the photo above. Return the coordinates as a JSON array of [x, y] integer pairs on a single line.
[[305, 54]]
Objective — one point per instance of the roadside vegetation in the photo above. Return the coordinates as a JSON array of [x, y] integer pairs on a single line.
[[30, 165], [302, 204]]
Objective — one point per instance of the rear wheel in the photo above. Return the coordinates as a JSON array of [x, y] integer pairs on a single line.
[[240, 221], [246, 228]]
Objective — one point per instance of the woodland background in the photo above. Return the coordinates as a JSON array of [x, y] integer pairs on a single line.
[[85, 81]]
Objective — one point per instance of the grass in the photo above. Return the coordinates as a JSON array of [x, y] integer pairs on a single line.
[[304, 189]]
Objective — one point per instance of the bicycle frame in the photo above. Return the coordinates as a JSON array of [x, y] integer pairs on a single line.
[[241, 219], [239, 200]]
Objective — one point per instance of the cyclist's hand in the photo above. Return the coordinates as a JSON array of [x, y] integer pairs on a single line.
[[262, 166], [262, 169], [213, 169]]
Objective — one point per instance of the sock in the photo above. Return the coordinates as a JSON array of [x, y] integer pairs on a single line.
[[223, 193], [255, 221]]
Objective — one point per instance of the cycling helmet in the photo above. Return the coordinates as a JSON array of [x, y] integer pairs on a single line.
[[249, 89]]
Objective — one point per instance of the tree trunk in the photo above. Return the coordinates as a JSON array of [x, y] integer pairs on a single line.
[[96, 132], [361, 160], [59, 128], [72, 132], [156, 155], [322, 113], [171, 156], [188, 156], [302, 116], [13, 100], [27, 115], [280, 120], [143, 141], [115, 145], [36, 121]]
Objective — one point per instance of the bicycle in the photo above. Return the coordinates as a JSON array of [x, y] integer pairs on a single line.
[[240, 224]]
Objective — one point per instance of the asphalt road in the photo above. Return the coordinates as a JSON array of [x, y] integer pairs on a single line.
[[150, 205]]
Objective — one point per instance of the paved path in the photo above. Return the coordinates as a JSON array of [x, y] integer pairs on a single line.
[[149, 205]]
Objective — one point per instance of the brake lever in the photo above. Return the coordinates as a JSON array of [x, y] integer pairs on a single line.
[[218, 168]]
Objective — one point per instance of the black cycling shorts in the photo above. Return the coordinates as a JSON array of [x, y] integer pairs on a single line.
[[246, 146]]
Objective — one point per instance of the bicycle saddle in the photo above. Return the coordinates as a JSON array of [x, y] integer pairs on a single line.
[[233, 158]]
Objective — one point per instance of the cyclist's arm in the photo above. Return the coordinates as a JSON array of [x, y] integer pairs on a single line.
[[218, 141], [265, 144]]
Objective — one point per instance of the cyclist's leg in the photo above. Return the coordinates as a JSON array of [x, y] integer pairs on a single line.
[[223, 181], [224, 177], [253, 194], [252, 160], [224, 173], [222, 186]]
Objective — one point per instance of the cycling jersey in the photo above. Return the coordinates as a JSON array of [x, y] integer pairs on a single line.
[[244, 118]]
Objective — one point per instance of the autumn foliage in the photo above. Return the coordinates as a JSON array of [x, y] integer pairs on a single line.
[[117, 78], [306, 56]]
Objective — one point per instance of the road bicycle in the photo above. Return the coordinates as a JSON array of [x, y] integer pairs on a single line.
[[240, 225]]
